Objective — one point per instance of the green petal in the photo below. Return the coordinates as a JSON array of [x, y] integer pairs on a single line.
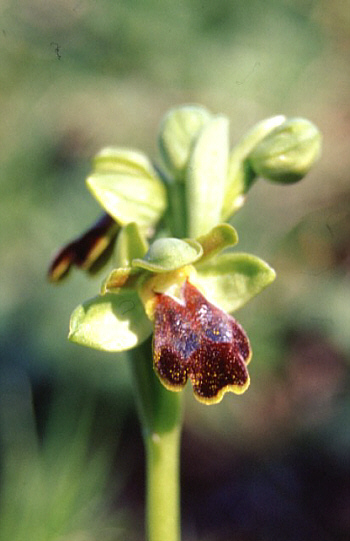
[[240, 175], [130, 245], [206, 177], [177, 135], [231, 280], [125, 184], [169, 254], [113, 322], [220, 237]]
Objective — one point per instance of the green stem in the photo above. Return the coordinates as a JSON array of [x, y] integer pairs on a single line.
[[160, 416], [177, 211]]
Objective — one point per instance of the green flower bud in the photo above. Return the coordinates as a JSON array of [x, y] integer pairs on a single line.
[[288, 152], [240, 175]]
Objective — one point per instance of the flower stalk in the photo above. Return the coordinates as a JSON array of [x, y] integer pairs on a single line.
[[160, 417]]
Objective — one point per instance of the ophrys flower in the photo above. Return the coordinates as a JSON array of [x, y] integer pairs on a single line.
[[183, 291]]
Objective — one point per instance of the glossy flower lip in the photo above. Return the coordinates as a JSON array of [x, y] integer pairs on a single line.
[[198, 341]]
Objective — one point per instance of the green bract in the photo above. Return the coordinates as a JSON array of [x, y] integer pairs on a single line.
[[206, 176], [177, 135]]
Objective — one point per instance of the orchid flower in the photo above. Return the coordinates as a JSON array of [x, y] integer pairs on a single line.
[[182, 291]]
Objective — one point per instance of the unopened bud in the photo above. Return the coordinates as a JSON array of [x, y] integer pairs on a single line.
[[288, 152]]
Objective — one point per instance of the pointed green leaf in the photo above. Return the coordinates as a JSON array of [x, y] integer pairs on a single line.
[[206, 176], [177, 135], [167, 255], [240, 175], [130, 245], [128, 188], [113, 322], [231, 280], [220, 237]]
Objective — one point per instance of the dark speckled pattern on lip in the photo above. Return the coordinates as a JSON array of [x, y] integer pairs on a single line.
[[199, 341]]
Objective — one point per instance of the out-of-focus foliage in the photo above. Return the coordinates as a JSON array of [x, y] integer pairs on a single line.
[[77, 75], [52, 487]]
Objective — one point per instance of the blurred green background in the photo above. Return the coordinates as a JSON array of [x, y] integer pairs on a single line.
[[77, 75]]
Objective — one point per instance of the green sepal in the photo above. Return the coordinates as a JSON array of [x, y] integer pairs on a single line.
[[113, 322], [206, 177], [122, 160], [231, 280], [126, 185], [240, 175], [178, 132], [220, 237], [131, 244], [289, 151], [169, 254]]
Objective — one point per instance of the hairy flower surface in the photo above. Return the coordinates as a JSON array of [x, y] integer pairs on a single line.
[[195, 339]]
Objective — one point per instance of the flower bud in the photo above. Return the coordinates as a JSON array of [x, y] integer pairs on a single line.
[[288, 152], [240, 175]]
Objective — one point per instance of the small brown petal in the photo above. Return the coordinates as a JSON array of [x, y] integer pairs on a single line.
[[88, 251]]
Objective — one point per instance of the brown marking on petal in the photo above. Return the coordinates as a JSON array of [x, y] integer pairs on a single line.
[[88, 251], [197, 340]]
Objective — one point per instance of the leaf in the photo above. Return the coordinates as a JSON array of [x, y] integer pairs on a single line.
[[127, 187], [206, 177], [112, 322], [178, 132], [231, 280]]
